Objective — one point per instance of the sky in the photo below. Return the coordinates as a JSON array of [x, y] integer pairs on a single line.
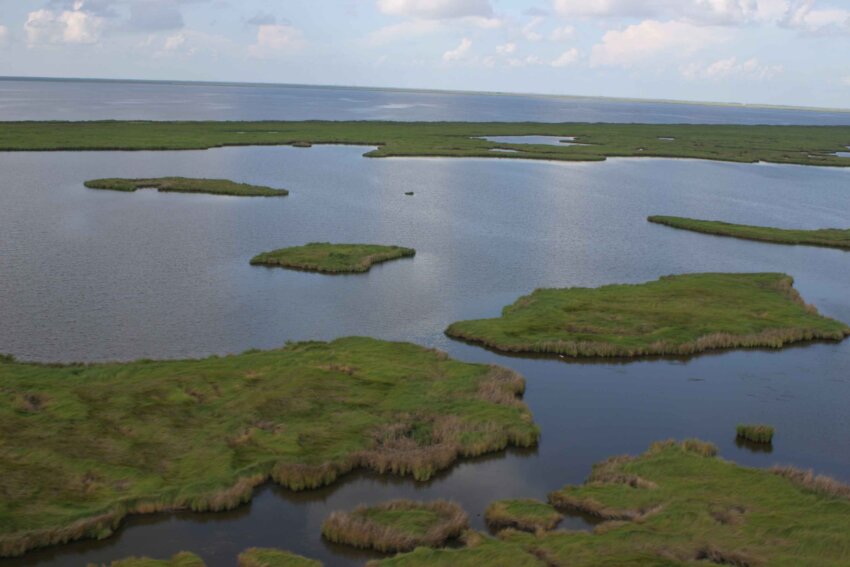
[[787, 52]]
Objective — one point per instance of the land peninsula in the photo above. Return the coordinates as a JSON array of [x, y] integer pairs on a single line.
[[675, 315], [676, 504], [85, 445], [332, 258], [397, 525], [186, 185], [807, 145], [832, 237]]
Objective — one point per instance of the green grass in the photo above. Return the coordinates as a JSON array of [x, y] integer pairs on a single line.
[[187, 185], [528, 515], [398, 525], [678, 504], [81, 446], [832, 237], [266, 557], [675, 315], [810, 145], [332, 258], [182, 559], [755, 433]]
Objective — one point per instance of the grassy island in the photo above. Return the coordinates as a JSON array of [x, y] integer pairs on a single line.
[[808, 145], [398, 525], [832, 237], [675, 315], [677, 504], [527, 515], [267, 557], [755, 433], [182, 559], [187, 185], [81, 446], [332, 258]]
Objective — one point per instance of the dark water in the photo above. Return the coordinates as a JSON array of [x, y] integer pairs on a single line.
[[97, 275], [95, 100]]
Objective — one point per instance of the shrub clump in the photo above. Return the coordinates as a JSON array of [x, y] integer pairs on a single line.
[[528, 515], [398, 525], [755, 433]]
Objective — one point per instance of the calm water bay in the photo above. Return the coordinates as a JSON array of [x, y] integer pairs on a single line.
[[90, 275]]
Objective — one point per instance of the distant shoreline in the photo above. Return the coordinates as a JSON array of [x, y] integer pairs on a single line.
[[727, 104]]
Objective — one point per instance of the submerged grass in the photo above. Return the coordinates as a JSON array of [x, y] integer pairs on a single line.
[[755, 433], [831, 237], [81, 446], [810, 145], [398, 525], [267, 557], [527, 515], [332, 258], [678, 504], [186, 185], [675, 315]]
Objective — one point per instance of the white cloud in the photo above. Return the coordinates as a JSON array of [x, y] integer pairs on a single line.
[[846, 81], [529, 31], [717, 12], [507, 48], [640, 42], [732, 68], [436, 9], [403, 31], [459, 52], [804, 16], [4, 35], [524, 61], [563, 33], [567, 58], [276, 39], [68, 26]]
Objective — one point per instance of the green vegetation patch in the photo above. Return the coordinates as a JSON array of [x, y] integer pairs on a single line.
[[832, 237], [187, 185], [267, 557], [527, 515], [398, 525], [678, 504], [332, 258], [809, 145], [675, 315], [755, 433], [182, 559], [81, 446]]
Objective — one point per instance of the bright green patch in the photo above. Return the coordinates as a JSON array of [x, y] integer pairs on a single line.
[[398, 525], [332, 258], [187, 185], [678, 505], [675, 315], [833, 237], [755, 433], [811, 145], [528, 515], [266, 557], [83, 445], [182, 559]]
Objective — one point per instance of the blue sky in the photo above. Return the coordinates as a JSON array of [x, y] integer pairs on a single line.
[[754, 51]]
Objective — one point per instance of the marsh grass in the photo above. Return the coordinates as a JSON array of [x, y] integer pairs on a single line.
[[675, 315], [332, 258], [398, 525], [182, 559], [267, 557], [755, 433], [528, 515], [122, 438], [187, 185], [831, 237], [677, 504], [809, 145]]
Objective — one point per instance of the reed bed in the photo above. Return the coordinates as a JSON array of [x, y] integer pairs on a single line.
[[398, 525], [755, 433]]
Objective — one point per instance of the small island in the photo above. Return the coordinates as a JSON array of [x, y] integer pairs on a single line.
[[526, 514], [182, 559], [331, 258], [93, 443], [755, 433], [676, 504], [831, 237], [398, 525], [269, 557], [186, 185], [675, 315]]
